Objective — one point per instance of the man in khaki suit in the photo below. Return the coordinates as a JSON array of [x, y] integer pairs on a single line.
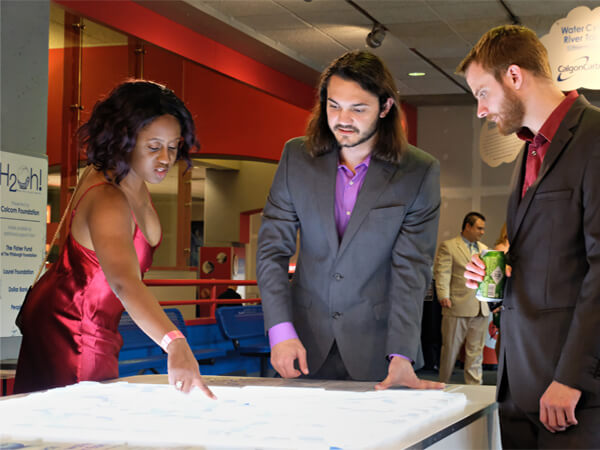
[[464, 318]]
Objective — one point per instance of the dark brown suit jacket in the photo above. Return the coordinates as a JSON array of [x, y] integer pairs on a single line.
[[551, 320]]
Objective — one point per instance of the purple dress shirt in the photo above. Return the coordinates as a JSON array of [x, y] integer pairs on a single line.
[[347, 187]]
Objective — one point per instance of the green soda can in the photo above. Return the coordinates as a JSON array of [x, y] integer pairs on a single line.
[[491, 289]]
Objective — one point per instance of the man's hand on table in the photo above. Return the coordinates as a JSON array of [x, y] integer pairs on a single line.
[[401, 373], [283, 356]]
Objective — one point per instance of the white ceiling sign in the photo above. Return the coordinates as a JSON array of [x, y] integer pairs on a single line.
[[573, 45], [495, 148]]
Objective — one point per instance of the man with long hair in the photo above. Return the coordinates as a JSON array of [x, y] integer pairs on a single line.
[[366, 205], [549, 368]]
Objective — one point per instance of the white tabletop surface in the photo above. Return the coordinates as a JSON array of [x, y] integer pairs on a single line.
[[477, 401]]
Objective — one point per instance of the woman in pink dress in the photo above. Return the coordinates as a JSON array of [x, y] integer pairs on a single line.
[[70, 320]]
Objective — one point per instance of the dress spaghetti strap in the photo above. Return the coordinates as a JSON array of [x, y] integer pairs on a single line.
[[81, 198], [130, 210]]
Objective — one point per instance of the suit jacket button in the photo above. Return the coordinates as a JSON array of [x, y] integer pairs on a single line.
[[338, 276], [336, 315]]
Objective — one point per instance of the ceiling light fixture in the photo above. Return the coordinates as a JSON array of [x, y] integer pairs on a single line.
[[416, 74], [377, 33], [376, 36]]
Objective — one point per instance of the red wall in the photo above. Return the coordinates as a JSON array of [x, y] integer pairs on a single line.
[[164, 67], [102, 69], [135, 20], [242, 108], [55, 99], [410, 122], [232, 118]]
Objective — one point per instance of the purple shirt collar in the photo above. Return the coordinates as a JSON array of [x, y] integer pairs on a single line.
[[347, 187], [364, 162]]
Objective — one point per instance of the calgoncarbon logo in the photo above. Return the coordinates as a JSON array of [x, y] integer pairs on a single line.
[[579, 65]]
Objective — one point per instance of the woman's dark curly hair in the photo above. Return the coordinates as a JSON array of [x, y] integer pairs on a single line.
[[109, 137]]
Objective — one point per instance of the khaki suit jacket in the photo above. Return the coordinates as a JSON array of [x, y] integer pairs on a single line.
[[452, 257]]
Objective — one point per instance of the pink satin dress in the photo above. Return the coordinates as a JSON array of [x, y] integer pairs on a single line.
[[71, 318]]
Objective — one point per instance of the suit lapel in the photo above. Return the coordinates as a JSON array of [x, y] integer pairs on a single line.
[[463, 248], [324, 184], [515, 196], [376, 180], [557, 146]]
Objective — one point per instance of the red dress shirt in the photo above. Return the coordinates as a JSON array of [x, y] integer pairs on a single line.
[[538, 144]]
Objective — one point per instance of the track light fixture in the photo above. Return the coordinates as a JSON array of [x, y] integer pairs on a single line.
[[376, 36]]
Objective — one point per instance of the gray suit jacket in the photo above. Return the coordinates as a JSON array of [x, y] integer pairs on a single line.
[[367, 291], [551, 319]]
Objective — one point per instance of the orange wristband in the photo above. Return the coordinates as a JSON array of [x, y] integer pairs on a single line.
[[169, 337]]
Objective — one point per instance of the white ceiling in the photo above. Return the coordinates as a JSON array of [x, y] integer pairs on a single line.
[[300, 38]]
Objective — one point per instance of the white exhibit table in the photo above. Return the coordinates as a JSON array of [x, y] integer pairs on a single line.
[[250, 413]]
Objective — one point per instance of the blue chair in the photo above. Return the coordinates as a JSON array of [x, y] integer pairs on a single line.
[[245, 326], [203, 355], [136, 340], [153, 358]]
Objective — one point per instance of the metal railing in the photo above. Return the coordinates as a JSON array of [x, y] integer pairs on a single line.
[[213, 301]]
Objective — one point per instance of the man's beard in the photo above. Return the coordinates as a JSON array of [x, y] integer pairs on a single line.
[[362, 139], [512, 112]]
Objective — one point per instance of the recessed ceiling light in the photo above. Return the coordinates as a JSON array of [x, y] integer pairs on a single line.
[[416, 74]]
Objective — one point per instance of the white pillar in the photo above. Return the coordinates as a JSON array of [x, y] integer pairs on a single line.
[[24, 29]]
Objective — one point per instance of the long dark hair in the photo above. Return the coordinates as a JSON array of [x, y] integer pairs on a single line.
[[109, 136], [372, 75]]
